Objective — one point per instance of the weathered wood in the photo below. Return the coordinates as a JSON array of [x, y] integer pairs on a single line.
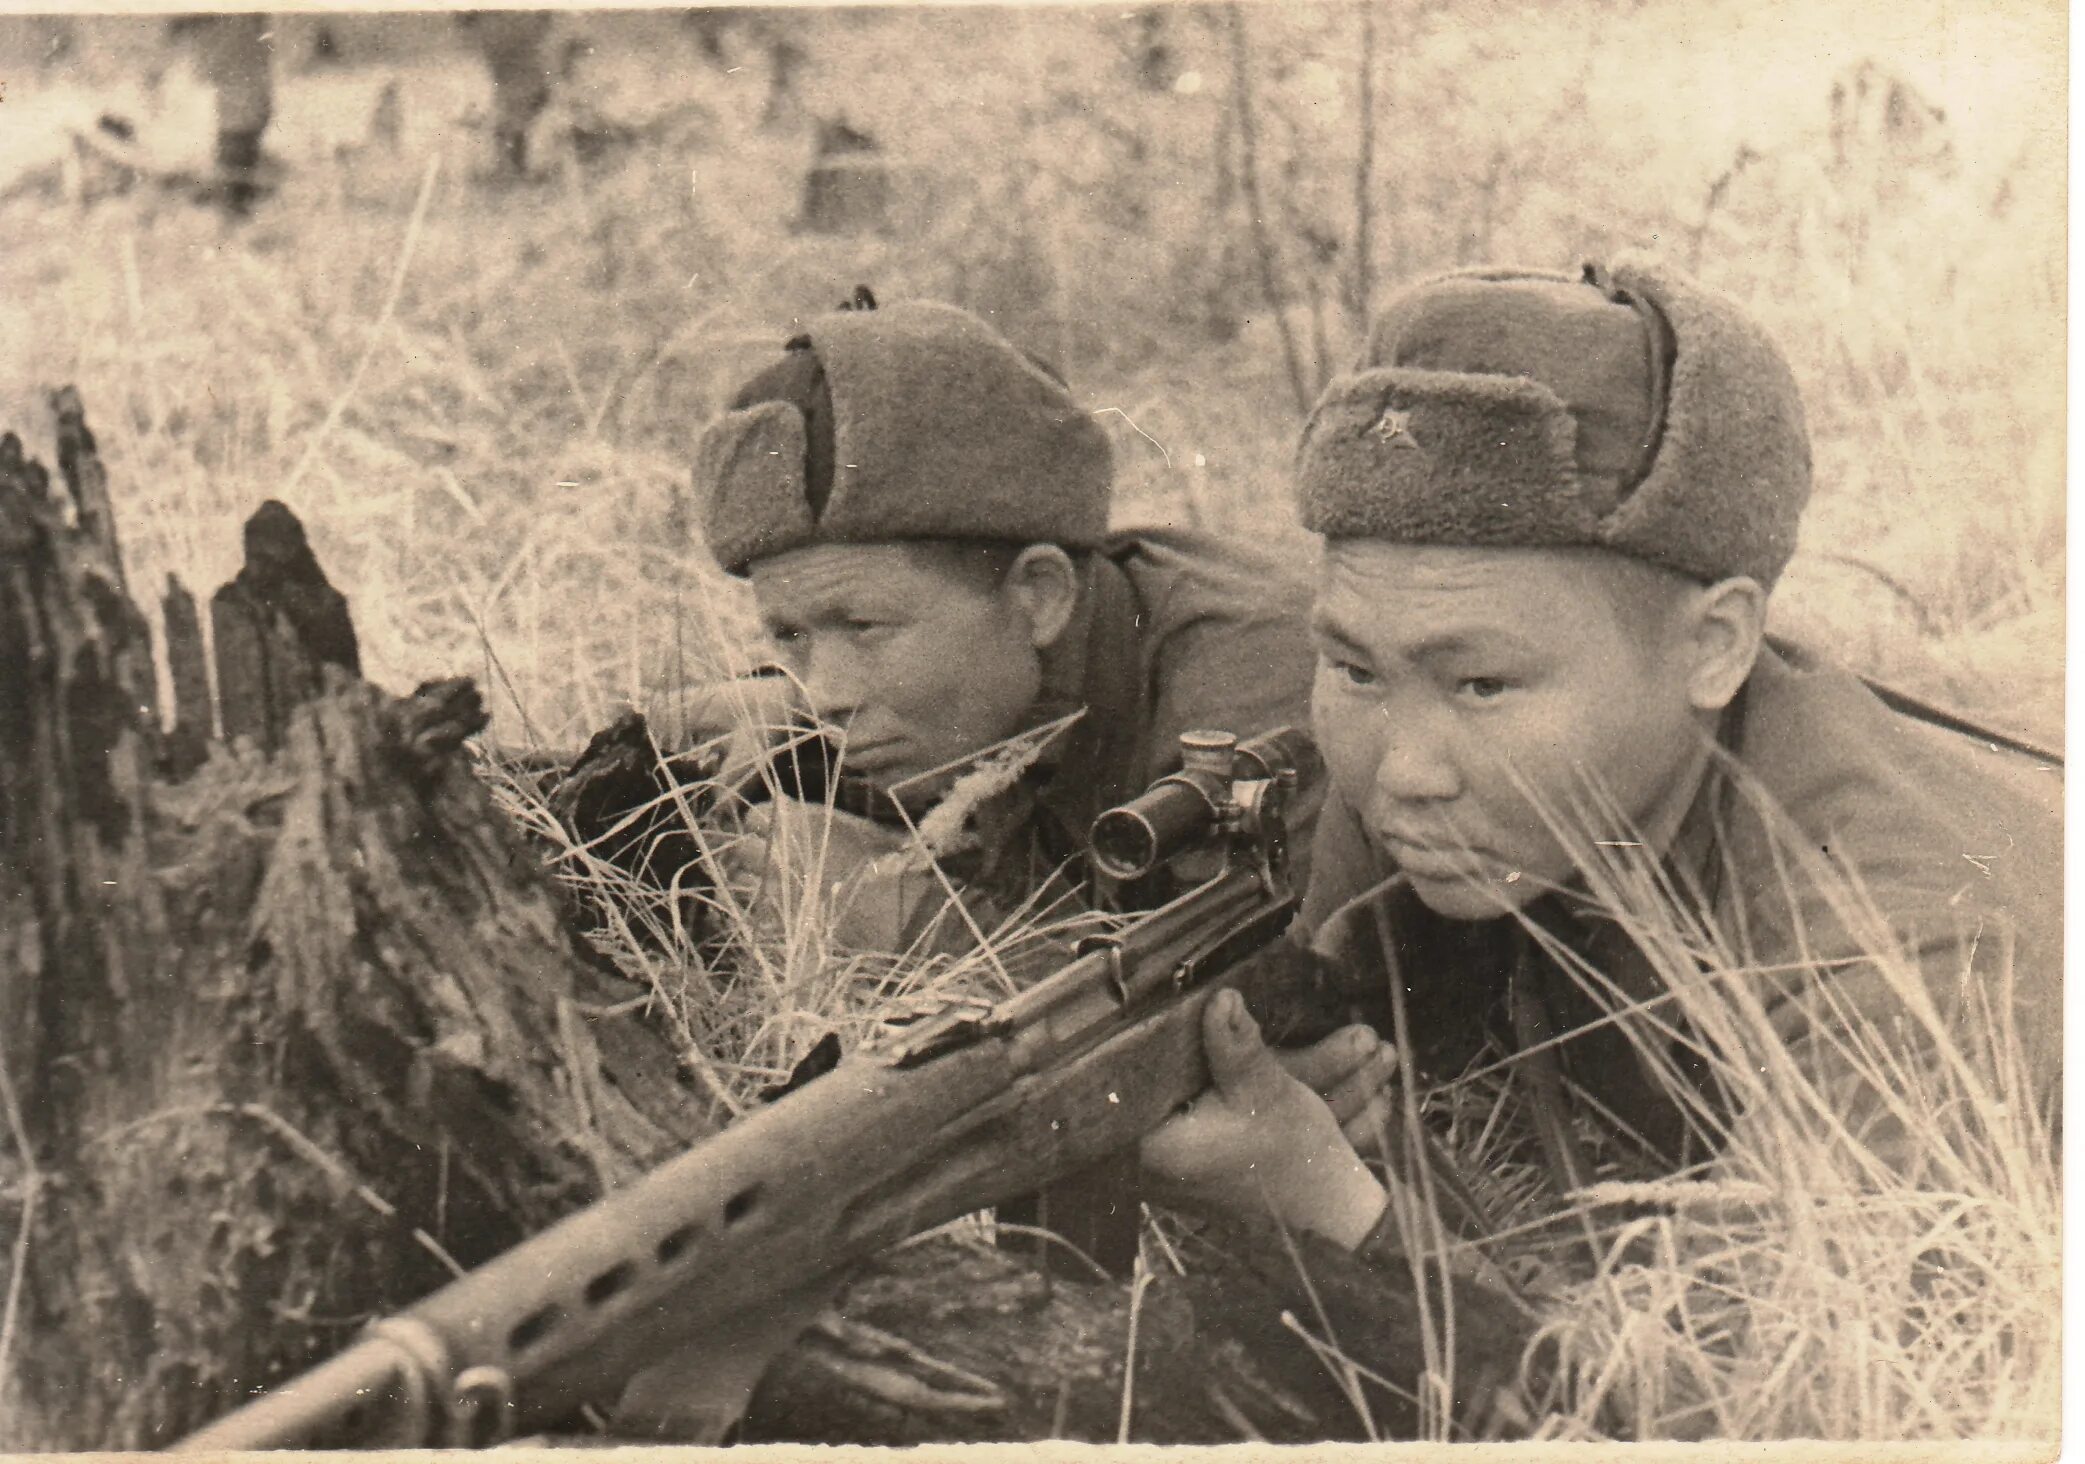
[[186, 743], [275, 625], [1247, 1281], [75, 689], [79, 919], [1216, 1357], [1057, 1352], [79, 461], [629, 807], [290, 1034]]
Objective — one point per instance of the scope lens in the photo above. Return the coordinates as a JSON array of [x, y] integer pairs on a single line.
[[1125, 846], [1166, 819]]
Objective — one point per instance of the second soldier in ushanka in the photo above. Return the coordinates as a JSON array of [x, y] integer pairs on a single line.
[[922, 511]]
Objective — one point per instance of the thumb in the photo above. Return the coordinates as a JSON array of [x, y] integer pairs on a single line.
[[1240, 1064]]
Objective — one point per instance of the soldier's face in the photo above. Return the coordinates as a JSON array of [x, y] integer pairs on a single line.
[[1470, 699], [920, 664]]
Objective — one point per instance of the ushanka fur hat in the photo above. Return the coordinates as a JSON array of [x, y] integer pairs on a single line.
[[1631, 410], [914, 421]]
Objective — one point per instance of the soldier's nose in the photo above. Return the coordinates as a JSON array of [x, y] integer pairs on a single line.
[[834, 712], [834, 692], [1414, 769]]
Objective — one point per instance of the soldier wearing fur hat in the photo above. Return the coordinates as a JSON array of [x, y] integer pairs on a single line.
[[1574, 780], [921, 510]]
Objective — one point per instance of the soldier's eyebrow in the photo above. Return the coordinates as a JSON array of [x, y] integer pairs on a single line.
[[1325, 629], [1489, 639]]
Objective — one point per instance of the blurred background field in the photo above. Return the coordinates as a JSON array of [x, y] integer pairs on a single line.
[[483, 397]]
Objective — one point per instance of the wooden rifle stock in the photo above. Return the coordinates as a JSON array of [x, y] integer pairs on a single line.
[[967, 1109]]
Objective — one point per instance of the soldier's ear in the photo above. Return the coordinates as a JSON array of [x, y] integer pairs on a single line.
[[1723, 627], [1044, 585]]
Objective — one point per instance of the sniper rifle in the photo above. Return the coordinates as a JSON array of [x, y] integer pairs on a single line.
[[969, 1108]]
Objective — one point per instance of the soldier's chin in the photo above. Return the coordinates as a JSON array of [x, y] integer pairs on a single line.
[[1472, 896]]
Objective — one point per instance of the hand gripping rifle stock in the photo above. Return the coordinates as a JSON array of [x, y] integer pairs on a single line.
[[966, 1109]]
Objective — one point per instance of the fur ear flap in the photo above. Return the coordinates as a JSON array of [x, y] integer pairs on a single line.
[[938, 428], [749, 466], [1726, 492]]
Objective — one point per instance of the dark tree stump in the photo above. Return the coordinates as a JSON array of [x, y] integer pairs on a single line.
[[276, 624], [1216, 1358], [286, 1036], [630, 807], [187, 743]]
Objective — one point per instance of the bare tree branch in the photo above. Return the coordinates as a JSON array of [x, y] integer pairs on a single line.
[[1364, 170], [1263, 245]]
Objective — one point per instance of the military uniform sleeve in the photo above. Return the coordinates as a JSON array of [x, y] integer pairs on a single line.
[[1878, 1012], [1230, 649], [1244, 667]]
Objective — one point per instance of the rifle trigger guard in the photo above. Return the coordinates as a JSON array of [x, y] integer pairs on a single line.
[[1111, 948], [426, 1358]]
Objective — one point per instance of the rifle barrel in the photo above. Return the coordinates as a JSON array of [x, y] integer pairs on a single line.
[[377, 1373]]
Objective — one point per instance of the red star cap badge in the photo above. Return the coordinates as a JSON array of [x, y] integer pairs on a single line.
[[1395, 428]]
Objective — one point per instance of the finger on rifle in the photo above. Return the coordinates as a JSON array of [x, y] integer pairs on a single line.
[[1364, 1084], [1324, 1065], [1369, 1130]]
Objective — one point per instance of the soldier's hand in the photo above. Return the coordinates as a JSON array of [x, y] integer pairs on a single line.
[[1259, 1138], [1351, 1070]]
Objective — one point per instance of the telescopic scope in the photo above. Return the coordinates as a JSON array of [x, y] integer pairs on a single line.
[[1182, 810]]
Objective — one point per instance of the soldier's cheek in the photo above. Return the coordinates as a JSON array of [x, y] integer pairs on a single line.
[[1351, 755], [1511, 779]]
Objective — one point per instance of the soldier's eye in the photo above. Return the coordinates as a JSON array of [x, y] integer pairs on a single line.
[[1351, 672], [1482, 688]]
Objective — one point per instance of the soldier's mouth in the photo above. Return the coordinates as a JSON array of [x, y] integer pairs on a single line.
[[1427, 860], [868, 757]]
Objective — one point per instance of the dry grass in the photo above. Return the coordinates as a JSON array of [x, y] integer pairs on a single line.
[[1874, 1252], [759, 950], [494, 466], [1830, 1278], [483, 402]]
